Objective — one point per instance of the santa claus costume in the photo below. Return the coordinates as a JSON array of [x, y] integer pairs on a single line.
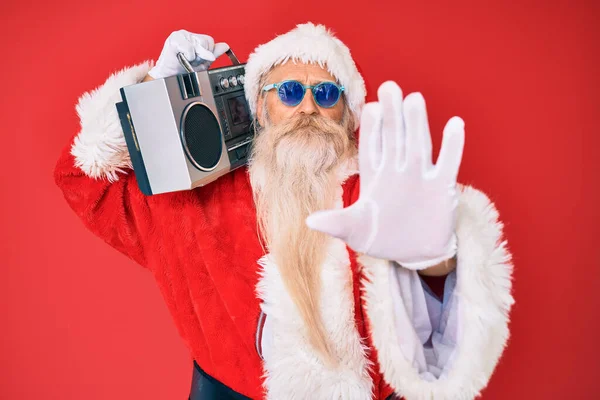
[[227, 296]]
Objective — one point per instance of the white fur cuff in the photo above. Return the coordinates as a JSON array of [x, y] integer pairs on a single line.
[[483, 291], [99, 149]]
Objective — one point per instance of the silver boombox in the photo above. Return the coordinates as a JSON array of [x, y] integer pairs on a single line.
[[187, 130]]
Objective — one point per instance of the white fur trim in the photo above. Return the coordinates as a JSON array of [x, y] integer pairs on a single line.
[[99, 149], [483, 289], [307, 43], [292, 369]]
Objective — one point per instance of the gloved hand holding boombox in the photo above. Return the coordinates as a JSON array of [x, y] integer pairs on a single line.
[[199, 50], [186, 125]]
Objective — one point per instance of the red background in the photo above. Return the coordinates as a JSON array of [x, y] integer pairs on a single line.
[[79, 320]]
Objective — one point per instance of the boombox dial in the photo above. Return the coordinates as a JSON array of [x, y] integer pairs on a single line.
[[232, 81]]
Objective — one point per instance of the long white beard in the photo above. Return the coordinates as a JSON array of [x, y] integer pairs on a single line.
[[294, 172]]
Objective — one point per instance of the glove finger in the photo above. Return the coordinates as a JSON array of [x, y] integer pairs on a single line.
[[418, 138], [203, 53], [356, 225], [453, 142], [207, 41], [369, 145], [393, 130], [178, 37], [186, 47], [220, 49], [204, 41], [336, 223]]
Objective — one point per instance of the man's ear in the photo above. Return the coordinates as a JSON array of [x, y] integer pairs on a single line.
[[259, 110]]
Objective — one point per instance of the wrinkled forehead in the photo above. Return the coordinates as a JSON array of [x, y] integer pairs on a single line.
[[307, 73]]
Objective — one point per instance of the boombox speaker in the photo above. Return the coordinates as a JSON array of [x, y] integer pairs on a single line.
[[187, 130]]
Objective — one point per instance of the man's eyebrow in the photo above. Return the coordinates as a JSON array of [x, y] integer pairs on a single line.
[[313, 82]]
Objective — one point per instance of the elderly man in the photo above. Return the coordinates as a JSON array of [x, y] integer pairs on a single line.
[[286, 279]]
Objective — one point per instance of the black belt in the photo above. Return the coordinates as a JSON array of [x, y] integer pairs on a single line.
[[205, 387]]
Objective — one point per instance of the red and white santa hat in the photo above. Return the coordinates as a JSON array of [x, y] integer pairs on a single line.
[[307, 43]]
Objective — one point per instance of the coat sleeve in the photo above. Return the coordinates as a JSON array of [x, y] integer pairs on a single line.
[[450, 350], [95, 174]]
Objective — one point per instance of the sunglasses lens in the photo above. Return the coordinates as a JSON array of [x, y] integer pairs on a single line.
[[326, 94], [291, 93]]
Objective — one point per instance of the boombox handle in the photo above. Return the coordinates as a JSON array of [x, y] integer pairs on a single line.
[[188, 67]]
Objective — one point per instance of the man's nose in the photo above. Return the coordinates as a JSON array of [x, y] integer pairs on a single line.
[[308, 106]]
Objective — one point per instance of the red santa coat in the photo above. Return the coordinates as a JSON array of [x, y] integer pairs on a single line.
[[203, 250]]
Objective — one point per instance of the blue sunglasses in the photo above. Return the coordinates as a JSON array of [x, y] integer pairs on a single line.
[[291, 93]]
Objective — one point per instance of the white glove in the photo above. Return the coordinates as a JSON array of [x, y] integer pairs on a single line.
[[199, 50], [406, 210]]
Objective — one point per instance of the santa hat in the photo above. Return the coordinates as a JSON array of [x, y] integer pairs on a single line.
[[307, 43]]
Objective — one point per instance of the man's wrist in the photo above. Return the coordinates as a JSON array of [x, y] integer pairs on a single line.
[[441, 269]]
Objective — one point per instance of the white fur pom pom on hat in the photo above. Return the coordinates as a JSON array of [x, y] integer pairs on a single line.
[[307, 43]]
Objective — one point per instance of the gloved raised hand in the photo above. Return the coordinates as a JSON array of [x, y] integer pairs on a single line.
[[406, 210], [199, 50]]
